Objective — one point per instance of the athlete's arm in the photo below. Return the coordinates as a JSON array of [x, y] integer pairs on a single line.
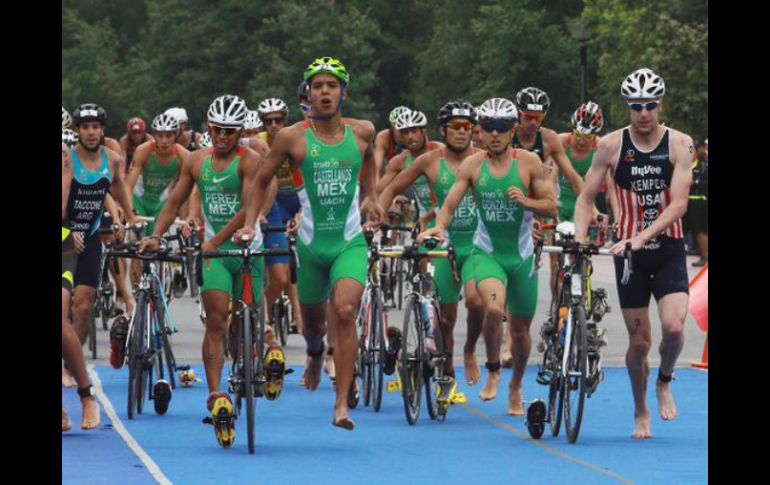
[[404, 179], [194, 208], [66, 179], [381, 145], [369, 173], [612, 197], [395, 166], [118, 187], [259, 145], [141, 157], [272, 193], [606, 151], [544, 201], [562, 162], [279, 152], [681, 157]]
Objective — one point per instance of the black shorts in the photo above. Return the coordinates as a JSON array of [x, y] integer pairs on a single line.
[[698, 216], [658, 272], [89, 263], [69, 261]]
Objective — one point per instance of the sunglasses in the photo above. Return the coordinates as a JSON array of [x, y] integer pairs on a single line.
[[274, 121], [459, 125], [499, 126], [537, 116], [640, 106], [218, 130], [305, 108], [581, 136]]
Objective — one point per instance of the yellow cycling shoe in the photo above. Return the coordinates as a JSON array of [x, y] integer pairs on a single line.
[[223, 418], [275, 367]]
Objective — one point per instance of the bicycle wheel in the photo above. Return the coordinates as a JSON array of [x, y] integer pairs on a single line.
[[360, 366], [248, 377], [431, 372], [367, 361], [144, 367], [575, 382], [411, 360], [555, 393], [400, 279], [279, 317], [166, 342], [134, 350], [378, 351]]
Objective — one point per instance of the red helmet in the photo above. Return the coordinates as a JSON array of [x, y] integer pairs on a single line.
[[135, 125]]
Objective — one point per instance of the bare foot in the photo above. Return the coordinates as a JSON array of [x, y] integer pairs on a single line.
[[67, 379], [312, 377], [91, 413], [642, 427], [66, 425], [666, 405], [490, 389], [329, 366], [515, 401], [341, 419], [472, 370]]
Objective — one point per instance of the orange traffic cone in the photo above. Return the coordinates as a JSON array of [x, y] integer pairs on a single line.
[[704, 364]]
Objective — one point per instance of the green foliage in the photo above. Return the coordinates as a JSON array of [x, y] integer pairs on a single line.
[[139, 57]]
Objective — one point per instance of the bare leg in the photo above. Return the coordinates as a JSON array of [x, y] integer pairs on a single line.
[[475, 322], [522, 346], [216, 303], [314, 330], [295, 306], [703, 244], [673, 310], [73, 357], [640, 339], [121, 285], [449, 314], [83, 310], [347, 298], [331, 339], [493, 295]]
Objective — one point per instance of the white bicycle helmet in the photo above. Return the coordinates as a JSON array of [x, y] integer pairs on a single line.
[[252, 121], [69, 137], [643, 84], [178, 113], [498, 109], [205, 140], [165, 122], [395, 113], [411, 119], [227, 111], [66, 119], [272, 105]]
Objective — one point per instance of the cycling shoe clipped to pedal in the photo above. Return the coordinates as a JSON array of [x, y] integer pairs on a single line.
[[536, 413], [223, 419], [275, 369]]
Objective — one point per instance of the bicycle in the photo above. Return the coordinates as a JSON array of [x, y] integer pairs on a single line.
[[149, 331], [565, 369], [422, 352], [248, 376], [393, 272]]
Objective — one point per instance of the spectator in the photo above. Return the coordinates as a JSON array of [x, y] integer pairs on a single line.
[[697, 212]]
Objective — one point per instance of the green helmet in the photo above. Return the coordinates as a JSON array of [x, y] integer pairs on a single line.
[[327, 65], [395, 113]]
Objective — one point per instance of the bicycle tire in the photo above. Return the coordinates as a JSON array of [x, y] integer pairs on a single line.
[[379, 347], [400, 278], [431, 384], [573, 418], [367, 360], [134, 348], [248, 376], [411, 361], [555, 393], [166, 342]]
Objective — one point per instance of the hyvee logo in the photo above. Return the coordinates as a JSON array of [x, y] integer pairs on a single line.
[[646, 170]]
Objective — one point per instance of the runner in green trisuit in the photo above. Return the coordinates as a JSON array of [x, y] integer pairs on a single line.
[[331, 160], [510, 188], [439, 168], [223, 175]]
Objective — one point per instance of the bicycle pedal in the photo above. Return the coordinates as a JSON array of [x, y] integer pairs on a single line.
[[459, 398]]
